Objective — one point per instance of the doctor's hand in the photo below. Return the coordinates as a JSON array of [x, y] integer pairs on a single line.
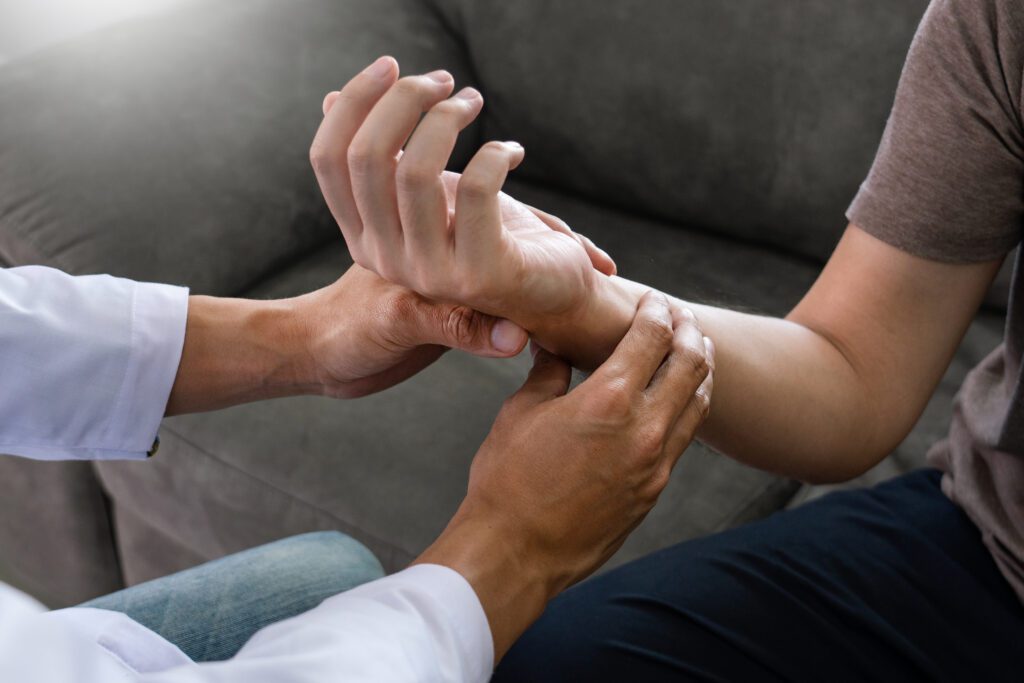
[[357, 336], [563, 478], [365, 334], [448, 237]]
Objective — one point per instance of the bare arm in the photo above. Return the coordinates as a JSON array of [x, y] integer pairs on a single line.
[[821, 395], [830, 390], [354, 337]]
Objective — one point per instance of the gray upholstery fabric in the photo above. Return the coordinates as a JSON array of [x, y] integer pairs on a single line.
[[710, 147], [55, 532], [752, 118], [175, 148]]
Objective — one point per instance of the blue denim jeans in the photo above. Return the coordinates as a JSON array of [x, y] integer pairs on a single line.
[[210, 611]]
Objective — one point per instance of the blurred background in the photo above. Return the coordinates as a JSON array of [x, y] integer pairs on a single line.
[[27, 25]]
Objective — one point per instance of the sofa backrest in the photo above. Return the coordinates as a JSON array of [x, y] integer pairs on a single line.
[[757, 119], [175, 147]]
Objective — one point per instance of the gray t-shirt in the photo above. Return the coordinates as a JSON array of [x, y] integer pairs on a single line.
[[948, 185]]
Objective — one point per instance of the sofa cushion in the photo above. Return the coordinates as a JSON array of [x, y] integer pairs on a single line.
[[752, 119], [175, 147], [390, 469], [56, 540]]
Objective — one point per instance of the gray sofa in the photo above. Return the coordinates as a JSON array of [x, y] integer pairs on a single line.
[[712, 148]]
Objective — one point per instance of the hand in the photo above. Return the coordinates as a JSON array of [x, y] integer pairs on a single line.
[[564, 478], [357, 336], [366, 334], [448, 237]]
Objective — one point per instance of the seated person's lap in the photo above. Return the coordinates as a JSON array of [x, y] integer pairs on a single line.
[[210, 611], [889, 583]]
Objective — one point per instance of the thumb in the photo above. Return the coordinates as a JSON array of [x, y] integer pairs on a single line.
[[461, 327], [549, 378]]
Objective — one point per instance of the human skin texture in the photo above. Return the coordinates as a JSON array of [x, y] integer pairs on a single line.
[[355, 337], [564, 477], [821, 395]]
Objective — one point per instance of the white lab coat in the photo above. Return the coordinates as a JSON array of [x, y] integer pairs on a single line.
[[86, 367]]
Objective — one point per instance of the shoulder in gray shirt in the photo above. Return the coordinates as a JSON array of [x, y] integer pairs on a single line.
[[948, 185]]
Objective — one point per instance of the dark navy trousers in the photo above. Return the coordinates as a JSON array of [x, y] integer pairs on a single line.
[[891, 583]]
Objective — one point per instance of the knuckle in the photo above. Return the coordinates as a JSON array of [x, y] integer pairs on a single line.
[[658, 481], [648, 444], [433, 283], [695, 361], [410, 86], [321, 158], [449, 109], [475, 186], [703, 399], [400, 305], [657, 330], [414, 177], [613, 403], [359, 258], [460, 325], [390, 272], [360, 159]]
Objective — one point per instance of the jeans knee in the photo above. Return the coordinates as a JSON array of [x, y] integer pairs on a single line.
[[329, 553]]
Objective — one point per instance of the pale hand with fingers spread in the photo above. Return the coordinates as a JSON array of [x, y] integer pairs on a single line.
[[446, 236]]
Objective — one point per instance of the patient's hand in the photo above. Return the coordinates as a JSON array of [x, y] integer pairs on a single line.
[[448, 237]]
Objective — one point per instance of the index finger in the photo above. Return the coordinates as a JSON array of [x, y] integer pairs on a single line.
[[329, 150], [684, 369], [642, 351]]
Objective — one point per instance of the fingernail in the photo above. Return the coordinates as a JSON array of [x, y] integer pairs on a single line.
[[506, 336], [469, 94], [709, 347], [513, 144], [380, 68], [440, 76]]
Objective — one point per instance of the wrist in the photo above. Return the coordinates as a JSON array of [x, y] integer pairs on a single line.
[[239, 350], [588, 335], [282, 335], [511, 580]]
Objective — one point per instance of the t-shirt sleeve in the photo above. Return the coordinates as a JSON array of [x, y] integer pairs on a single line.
[[948, 181]]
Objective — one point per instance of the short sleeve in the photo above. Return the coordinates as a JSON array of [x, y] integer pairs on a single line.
[[948, 181]]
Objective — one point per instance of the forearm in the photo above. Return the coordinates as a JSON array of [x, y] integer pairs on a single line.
[[786, 399], [494, 562], [237, 351]]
